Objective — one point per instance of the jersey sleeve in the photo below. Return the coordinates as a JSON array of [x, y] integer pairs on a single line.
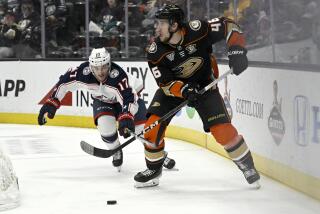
[[126, 96], [161, 74], [135, 83], [165, 80], [67, 82], [223, 28]]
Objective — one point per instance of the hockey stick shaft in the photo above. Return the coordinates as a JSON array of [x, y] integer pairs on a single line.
[[107, 153], [143, 140], [177, 108]]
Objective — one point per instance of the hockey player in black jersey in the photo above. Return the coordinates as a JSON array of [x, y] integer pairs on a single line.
[[182, 64], [115, 99]]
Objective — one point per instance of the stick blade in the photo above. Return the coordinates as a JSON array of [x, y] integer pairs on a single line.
[[97, 152], [102, 153], [87, 147]]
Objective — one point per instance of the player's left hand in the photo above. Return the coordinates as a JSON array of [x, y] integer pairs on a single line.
[[126, 121], [238, 60]]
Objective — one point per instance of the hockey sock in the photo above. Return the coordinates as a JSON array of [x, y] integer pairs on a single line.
[[154, 157], [241, 155]]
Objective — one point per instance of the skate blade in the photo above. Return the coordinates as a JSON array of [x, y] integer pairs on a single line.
[[173, 169], [151, 183], [256, 185], [118, 168]]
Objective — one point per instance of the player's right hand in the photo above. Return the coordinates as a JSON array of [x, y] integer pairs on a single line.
[[190, 92], [49, 108]]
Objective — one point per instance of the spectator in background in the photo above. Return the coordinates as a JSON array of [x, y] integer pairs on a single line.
[[55, 13], [3, 9], [28, 32], [198, 10], [149, 11], [310, 20], [111, 14], [248, 22], [264, 26], [316, 27], [7, 31], [13, 7]]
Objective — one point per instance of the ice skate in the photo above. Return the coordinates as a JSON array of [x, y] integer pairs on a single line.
[[169, 163], [117, 160], [147, 178], [252, 176]]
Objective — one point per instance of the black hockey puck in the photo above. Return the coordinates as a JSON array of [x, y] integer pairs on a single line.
[[111, 202]]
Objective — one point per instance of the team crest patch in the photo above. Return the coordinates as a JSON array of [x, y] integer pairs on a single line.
[[86, 71], [170, 56], [152, 48], [114, 73], [195, 25], [191, 48]]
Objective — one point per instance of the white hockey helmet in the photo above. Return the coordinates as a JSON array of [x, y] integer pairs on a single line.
[[99, 57], [100, 63]]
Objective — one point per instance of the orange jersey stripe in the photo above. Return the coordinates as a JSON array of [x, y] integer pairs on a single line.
[[173, 88], [214, 66], [236, 38]]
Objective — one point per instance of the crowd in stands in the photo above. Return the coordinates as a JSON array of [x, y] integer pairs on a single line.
[[294, 21], [65, 37], [20, 27]]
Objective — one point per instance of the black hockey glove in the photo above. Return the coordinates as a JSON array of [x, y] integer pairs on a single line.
[[237, 59], [49, 108], [190, 92], [126, 121]]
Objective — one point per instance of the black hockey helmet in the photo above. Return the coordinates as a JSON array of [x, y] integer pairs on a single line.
[[171, 12]]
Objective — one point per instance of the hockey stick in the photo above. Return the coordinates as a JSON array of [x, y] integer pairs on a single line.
[[104, 153], [143, 140]]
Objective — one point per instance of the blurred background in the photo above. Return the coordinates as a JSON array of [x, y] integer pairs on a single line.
[[285, 32]]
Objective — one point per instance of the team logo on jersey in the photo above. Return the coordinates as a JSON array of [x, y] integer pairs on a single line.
[[195, 25], [86, 71], [188, 67], [152, 48], [114, 73], [170, 56], [191, 48], [182, 53]]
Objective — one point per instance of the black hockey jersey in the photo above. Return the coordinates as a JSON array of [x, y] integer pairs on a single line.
[[191, 60], [119, 87]]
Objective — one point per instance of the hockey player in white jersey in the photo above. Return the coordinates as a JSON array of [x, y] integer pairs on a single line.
[[115, 99]]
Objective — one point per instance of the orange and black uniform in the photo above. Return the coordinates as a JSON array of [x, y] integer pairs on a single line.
[[191, 60]]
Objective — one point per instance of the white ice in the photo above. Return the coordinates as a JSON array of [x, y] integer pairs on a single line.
[[57, 177]]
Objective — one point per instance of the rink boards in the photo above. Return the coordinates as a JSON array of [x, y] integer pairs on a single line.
[[275, 110]]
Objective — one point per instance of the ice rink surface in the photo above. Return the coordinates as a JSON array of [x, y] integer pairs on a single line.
[[57, 177]]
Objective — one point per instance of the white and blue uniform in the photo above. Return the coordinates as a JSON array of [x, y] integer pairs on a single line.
[[117, 94]]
